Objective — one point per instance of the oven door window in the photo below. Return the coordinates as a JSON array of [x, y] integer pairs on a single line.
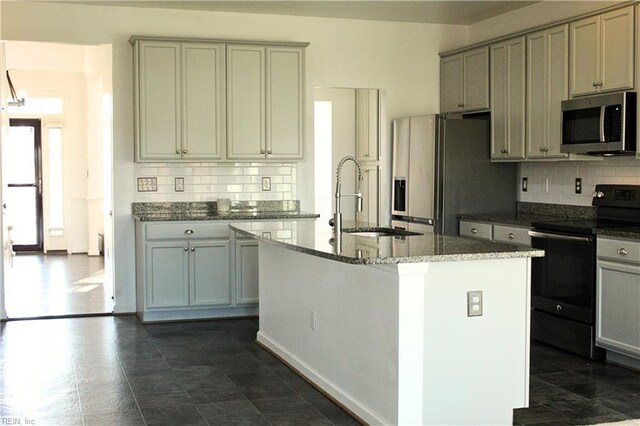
[[563, 281], [581, 126]]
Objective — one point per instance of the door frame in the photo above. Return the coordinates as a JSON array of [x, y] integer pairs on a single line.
[[36, 123]]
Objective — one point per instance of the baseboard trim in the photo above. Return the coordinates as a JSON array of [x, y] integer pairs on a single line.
[[347, 402]]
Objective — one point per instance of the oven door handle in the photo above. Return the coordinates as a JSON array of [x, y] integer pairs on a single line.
[[548, 236]]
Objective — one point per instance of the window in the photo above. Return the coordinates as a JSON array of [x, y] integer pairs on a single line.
[[55, 182]]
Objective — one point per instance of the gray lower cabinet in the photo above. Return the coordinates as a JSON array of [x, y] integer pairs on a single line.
[[618, 296], [187, 270], [503, 233], [246, 272]]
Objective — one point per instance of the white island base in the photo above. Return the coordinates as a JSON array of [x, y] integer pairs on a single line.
[[393, 343]]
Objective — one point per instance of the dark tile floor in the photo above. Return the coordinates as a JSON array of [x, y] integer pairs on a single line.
[[116, 371]]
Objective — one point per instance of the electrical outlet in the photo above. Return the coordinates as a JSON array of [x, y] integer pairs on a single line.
[[546, 184], [578, 185], [525, 184], [266, 184], [147, 184], [474, 303], [179, 184]]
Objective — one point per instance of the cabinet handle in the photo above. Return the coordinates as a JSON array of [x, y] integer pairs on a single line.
[[460, 105], [511, 236], [599, 83], [178, 151], [189, 231], [474, 231], [595, 83], [269, 152], [623, 252], [193, 249], [541, 149], [186, 248], [262, 151]]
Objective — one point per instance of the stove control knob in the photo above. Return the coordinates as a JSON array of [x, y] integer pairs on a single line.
[[558, 308], [597, 194]]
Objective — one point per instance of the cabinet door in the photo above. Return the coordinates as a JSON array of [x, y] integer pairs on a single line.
[[476, 79], [367, 124], [203, 100], [616, 49], [167, 274], [246, 272], [585, 53], [557, 87], [499, 93], [245, 102], [159, 100], [285, 102], [370, 188], [547, 87], [618, 307], [451, 83], [537, 87], [209, 273], [508, 91]]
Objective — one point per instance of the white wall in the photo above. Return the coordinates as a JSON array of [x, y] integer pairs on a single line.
[[401, 58]]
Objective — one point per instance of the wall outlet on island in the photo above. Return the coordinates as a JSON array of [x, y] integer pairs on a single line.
[[474, 303]]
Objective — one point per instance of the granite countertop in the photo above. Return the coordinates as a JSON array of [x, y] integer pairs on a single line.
[[208, 210], [315, 238], [524, 219], [232, 215], [516, 219]]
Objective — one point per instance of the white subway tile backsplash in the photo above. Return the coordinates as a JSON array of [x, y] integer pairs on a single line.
[[210, 181], [561, 175]]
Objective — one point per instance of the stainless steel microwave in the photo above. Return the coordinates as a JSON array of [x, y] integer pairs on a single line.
[[600, 125]]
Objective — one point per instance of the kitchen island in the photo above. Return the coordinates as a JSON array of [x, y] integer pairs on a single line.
[[384, 325]]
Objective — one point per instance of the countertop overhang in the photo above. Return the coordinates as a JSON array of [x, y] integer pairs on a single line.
[[315, 238]]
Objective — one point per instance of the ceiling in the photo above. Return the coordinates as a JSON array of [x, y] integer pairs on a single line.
[[431, 11]]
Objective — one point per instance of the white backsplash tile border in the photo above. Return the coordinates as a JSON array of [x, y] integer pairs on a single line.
[[210, 181], [561, 179]]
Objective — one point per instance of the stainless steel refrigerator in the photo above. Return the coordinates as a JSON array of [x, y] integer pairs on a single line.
[[442, 168]]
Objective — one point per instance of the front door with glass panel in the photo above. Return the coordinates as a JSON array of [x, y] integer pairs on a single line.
[[23, 174]]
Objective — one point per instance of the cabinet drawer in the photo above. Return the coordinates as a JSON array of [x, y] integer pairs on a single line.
[[475, 229], [626, 250], [511, 234], [162, 231]]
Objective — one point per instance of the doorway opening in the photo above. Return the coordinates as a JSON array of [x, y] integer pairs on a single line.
[[57, 182], [23, 174]]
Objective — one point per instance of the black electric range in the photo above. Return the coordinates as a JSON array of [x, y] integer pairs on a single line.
[[563, 283]]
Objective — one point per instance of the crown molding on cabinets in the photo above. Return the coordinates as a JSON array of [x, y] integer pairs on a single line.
[[135, 38], [538, 28]]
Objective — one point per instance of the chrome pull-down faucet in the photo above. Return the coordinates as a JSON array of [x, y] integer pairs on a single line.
[[337, 216]]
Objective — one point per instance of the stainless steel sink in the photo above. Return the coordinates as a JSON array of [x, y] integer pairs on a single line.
[[379, 232]]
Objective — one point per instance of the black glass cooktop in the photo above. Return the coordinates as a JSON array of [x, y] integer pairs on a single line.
[[584, 226]]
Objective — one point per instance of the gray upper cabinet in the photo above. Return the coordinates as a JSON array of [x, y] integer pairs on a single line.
[[602, 52], [246, 102], [508, 99], [265, 102], [465, 81], [179, 100], [547, 87]]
